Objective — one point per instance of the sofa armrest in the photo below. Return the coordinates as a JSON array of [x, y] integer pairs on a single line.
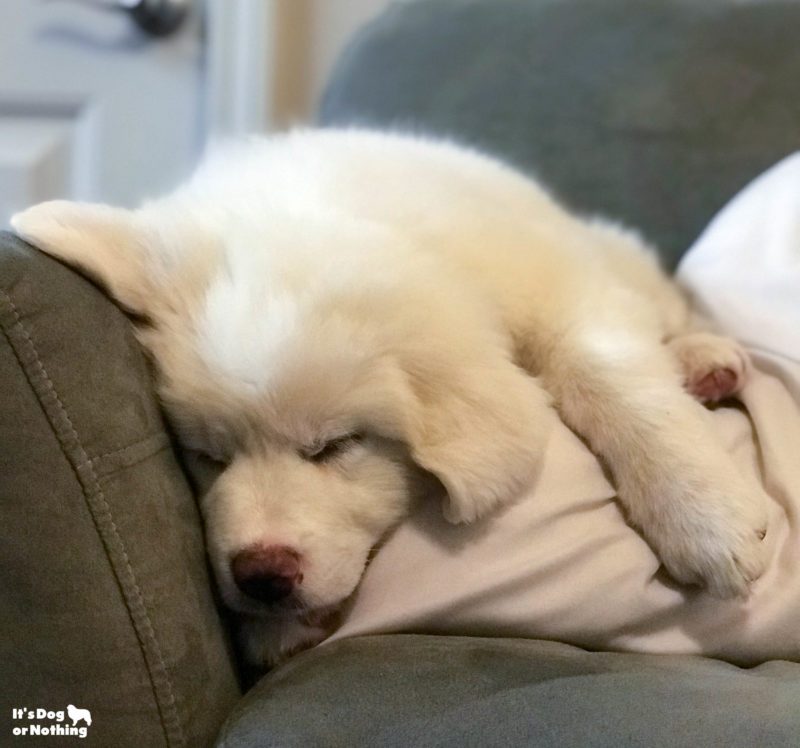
[[107, 602]]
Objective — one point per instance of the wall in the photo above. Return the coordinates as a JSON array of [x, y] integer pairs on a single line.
[[310, 36]]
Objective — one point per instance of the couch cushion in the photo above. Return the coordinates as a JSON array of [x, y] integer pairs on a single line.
[[654, 112], [406, 690], [106, 600]]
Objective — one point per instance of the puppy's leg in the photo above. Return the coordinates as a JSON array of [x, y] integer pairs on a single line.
[[621, 390], [714, 367]]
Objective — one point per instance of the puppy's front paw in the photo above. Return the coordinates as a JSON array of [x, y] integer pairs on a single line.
[[714, 367], [715, 539]]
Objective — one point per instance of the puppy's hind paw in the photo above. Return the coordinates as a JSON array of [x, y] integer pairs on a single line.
[[714, 367]]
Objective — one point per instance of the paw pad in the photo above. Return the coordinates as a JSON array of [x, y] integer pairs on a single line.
[[717, 385]]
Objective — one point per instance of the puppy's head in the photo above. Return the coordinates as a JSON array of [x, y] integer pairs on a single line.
[[321, 369]]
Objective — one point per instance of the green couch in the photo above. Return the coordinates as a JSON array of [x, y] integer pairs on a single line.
[[652, 111]]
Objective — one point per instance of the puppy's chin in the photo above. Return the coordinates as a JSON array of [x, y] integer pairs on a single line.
[[270, 639], [244, 606]]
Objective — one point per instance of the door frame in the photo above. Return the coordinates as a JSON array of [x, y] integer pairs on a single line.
[[239, 70]]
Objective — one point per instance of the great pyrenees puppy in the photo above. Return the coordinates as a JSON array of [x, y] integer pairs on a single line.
[[338, 316]]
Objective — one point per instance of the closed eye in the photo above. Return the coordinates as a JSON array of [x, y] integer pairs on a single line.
[[332, 448]]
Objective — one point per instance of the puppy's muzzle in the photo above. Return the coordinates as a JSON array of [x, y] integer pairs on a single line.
[[267, 574]]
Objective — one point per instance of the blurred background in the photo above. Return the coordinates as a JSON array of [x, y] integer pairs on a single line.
[[114, 100]]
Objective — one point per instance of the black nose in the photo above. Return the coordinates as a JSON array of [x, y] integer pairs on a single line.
[[267, 574]]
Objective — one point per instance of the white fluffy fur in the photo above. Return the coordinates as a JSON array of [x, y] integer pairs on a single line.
[[320, 283]]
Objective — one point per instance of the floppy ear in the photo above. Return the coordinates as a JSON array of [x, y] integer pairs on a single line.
[[107, 243], [482, 434]]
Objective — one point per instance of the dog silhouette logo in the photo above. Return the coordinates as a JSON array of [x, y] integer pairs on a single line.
[[76, 715]]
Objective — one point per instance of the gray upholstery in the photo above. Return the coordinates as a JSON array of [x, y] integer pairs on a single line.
[[654, 112], [401, 691], [106, 599]]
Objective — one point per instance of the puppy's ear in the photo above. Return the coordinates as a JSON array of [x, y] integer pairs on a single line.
[[107, 243], [482, 434]]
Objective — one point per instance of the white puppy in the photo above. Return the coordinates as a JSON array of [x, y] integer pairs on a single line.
[[334, 312]]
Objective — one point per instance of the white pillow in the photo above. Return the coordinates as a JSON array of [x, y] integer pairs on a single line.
[[562, 563]]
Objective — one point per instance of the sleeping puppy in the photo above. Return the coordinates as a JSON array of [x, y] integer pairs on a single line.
[[337, 315]]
